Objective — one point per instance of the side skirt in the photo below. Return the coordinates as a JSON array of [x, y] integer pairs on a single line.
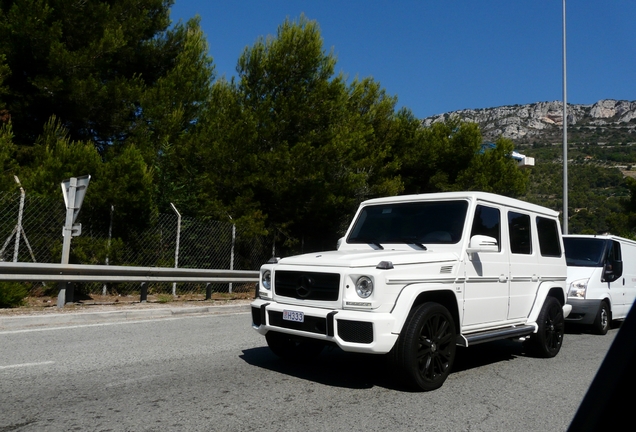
[[492, 335]]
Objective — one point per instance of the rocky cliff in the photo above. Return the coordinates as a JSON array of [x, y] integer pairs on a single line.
[[606, 121]]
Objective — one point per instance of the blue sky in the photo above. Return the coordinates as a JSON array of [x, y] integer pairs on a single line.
[[441, 56]]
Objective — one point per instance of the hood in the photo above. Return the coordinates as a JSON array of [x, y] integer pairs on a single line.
[[575, 273], [367, 258]]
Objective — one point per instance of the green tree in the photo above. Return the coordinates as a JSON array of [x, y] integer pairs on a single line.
[[316, 145], [85, 62], [172, 109], [108, 74], [57, 157], [495, 170], [449, 156], [7, 157]]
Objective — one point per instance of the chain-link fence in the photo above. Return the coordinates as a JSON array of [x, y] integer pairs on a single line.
[[31, 231]]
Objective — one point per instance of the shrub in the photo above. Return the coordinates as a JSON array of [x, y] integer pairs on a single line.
[[12, 294]]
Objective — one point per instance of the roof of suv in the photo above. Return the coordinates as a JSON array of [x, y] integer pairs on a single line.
[[470, 195]]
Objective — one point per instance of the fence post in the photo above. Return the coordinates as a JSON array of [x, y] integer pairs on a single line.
[[176, 249], [232, 254], [18, 227], [110, 236]]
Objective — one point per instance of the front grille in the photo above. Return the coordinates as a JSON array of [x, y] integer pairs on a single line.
[[310, 324], [307, 285], [355, 331]]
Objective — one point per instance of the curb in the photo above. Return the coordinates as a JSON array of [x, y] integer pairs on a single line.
[[82, 318]]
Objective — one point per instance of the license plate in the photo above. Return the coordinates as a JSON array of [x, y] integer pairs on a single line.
[[296, 316]]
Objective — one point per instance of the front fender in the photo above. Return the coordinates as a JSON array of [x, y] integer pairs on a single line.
[[416, 294]]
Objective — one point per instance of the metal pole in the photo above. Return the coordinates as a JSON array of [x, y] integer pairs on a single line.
[[19, 226], [110, 236], [565, 134], [176, 249], [67, 231], [68, 225], [232, 254]]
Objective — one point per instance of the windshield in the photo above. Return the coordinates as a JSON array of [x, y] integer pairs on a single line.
[[413, 222], [584, 252]]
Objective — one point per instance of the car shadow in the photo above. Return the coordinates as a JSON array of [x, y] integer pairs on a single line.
[[336, 368], [578, 329]]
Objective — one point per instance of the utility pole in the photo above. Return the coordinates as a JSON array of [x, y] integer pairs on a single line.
[[565, 134]]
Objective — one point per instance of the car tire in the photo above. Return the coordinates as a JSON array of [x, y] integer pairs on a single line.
[[603, 320], [291, 348], [547, 341], [424, 353]]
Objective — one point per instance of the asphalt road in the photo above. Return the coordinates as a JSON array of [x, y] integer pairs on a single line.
[[214, 373]]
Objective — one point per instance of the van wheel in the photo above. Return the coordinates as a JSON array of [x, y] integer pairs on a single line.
[[549, 338], [602, 322], [293, 349], [424, 353]]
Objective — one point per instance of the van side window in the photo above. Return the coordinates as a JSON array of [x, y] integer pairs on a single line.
[[519, 229], [614, 257], [487, 222], [548, 237]]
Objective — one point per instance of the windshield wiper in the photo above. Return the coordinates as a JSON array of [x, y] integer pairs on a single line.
[[370, 241], [411, 240]]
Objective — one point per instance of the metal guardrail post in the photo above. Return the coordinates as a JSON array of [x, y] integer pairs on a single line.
[[144, 293], [66, 292], [208, 291]]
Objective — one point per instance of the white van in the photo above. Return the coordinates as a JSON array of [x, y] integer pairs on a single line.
[[601, 279]]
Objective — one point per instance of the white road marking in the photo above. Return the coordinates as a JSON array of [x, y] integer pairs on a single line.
[[15, 366], [140, 320]]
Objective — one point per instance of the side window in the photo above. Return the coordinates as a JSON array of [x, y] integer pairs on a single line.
[[614, 259], [487, 222], [548, 237], [614, 252], [519, 229]]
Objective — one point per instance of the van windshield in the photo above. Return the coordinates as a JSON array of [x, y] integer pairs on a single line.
[[584, 252], [414, 222]]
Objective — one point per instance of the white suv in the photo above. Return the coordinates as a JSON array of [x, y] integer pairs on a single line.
[[417, 275]]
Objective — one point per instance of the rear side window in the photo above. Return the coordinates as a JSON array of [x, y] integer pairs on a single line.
[[520, 236], [549, 243]]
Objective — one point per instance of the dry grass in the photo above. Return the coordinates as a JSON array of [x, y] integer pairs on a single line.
[[48, 304]]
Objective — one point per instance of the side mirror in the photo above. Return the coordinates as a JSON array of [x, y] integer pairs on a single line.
[[482, 243], [340, 241], [612, 270]]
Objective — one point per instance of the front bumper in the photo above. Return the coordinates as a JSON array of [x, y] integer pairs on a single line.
[[584, 311], [353, 331]]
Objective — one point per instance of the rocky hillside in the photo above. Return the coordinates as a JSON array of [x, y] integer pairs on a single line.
[[601, 153], [607, 121]]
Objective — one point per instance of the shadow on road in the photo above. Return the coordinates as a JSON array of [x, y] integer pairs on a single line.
[[337, 368]]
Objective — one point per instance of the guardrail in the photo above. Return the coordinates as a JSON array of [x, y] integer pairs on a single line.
[[66, 274]]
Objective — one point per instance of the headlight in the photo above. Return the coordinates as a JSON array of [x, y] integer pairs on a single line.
[[364, 287], [266, 279], [578, 288]]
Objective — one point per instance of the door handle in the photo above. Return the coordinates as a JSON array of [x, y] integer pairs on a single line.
[[503, 278]]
